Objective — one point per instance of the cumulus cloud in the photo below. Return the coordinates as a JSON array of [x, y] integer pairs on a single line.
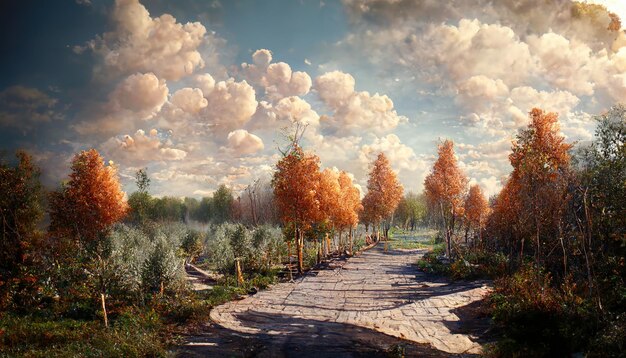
[[242, 142], [277, 79], [189, 100], [353, 110], [335, 88], [230, 105], [140, 93], [26, 108], [137, 98], [145, 44], [141, 148]]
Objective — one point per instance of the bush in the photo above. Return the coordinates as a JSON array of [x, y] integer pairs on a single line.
[[471, 264], [537, 319], [219, 254]]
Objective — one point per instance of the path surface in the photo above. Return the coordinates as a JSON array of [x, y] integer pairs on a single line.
[[376, 291]]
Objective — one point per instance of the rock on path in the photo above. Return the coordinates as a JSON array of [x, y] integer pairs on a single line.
[[381, 291]]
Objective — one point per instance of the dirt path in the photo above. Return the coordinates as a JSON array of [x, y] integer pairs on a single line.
[[346, 309]]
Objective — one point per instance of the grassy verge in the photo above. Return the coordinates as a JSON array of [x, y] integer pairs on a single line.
[[132, 334], [411, 240], [470, 264], [135, 332]]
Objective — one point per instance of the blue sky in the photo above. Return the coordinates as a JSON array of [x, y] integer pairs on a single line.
[[200, 91]]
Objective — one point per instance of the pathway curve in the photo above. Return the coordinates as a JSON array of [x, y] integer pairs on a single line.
[[380, 291]]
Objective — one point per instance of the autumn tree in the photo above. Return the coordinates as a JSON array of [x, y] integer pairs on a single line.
[[444, 188], [476, 211], [384, 192], [329, 198], [20, 213], [296, 182], [541, 171], [82, 214], [349, 205]]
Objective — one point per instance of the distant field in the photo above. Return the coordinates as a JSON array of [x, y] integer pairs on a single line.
[[421, 238]]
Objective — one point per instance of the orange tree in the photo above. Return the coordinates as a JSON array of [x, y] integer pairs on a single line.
[[384, 192], [82, 214], [329, 202], [349, 205], [296, 183], [444, 188], [541, 174], [476, 210]]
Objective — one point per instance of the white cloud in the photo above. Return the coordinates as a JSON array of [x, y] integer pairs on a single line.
[[277, 79], [190, 100], [244, 143], [143, 94], [352, 110], [145, 44], [230, 105], [141, 148]]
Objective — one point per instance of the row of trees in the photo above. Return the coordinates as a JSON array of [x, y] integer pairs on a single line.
[[559, 222], [315, 204]]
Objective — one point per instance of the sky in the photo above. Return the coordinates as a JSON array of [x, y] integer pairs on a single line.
[[201, 93]]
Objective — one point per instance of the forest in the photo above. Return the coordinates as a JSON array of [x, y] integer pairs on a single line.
[[87, 270]]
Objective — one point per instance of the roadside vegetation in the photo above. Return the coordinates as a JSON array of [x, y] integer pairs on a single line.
[[83, 270], [553, 239]]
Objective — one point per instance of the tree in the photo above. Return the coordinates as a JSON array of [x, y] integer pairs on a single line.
[[541, 173], [444, 188], [296, 182], [384, 192], [349, 204], [222, 204], [140, 202], [476, 210], [329, 203], [21, 212], [411, 211], [83, 212]]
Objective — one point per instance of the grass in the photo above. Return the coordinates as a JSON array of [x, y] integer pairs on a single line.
[[410, 240], [132, 334]]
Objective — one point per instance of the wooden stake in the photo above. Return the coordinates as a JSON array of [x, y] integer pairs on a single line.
[[104, 310], [239, 274]]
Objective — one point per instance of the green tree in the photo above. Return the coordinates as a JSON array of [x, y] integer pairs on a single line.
[[222, 204], [21, 212]]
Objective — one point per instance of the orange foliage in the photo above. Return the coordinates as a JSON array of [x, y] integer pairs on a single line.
[[476, 208], [384, 191], [535, 196], [90, 202], [296, 182], [329, 196], [444, 188], [350, 201]]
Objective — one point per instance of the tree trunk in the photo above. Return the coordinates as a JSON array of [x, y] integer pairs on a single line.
[[104, 310], [300, 252], [289, 260], [350, 235]]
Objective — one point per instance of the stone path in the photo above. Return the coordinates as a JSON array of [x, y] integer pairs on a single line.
[[377, 290]]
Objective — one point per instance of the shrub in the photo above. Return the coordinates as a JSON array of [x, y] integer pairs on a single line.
[[537, 319]]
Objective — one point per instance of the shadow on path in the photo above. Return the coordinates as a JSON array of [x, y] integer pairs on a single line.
[[302, 338]]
